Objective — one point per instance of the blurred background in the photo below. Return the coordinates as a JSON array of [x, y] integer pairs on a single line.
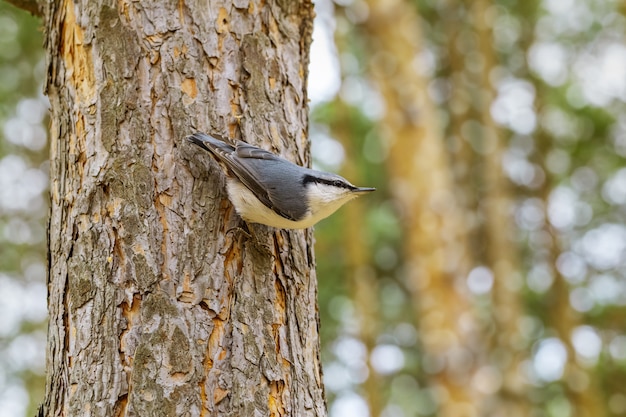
[[486, 276]]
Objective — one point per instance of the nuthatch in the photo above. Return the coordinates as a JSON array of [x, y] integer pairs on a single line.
[[267, 189]]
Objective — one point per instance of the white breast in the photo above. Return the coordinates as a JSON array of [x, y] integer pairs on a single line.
[[252, 210], [323, 202]]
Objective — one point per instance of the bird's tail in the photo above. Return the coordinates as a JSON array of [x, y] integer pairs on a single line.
[[210, 143]]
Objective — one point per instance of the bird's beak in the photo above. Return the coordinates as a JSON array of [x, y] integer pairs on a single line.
[[363, 190]]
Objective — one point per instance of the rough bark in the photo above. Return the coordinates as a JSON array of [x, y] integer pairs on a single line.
[[159, 304]]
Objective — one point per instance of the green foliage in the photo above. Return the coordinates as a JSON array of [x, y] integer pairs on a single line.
[[23, 209], [567, 176]]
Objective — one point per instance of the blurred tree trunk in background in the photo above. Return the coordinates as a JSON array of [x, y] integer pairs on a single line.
[[463, 158], [155, 307], [507, 347], [435, 233], [581, 387], [477, 149], [363, 282]]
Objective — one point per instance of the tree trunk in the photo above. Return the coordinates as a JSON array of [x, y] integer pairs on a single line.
[[159, 304]]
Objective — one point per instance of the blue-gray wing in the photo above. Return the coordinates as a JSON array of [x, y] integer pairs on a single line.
[[273, 180]]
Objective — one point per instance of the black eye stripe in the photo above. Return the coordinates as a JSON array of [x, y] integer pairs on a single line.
[[336, 183]]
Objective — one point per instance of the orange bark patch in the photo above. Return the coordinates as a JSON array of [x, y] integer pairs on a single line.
[[275, 403], [222, 21], [189, 87], [80, 131], [215, 341], [178, 52], [120, 407], [165, 199], [204, 411], [77, 57], [131, 314], [113, 206], [280, 304], [122, 7], [181, 13], [219, 394]]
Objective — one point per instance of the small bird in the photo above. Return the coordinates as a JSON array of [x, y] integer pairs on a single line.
[[267, 189]]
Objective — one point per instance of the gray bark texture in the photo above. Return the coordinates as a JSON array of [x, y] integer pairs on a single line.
[[160, 305]]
